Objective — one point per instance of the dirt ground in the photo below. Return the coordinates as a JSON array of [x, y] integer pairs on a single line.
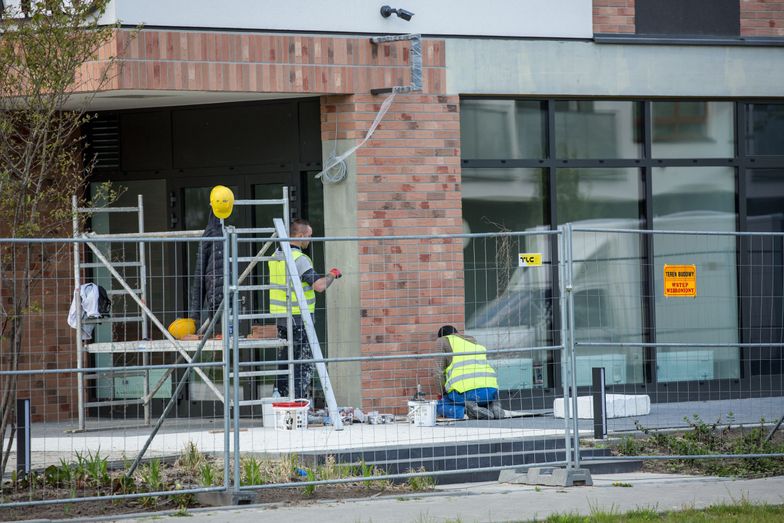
[[288, 496]]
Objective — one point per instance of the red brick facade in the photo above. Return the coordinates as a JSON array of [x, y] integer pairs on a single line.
[[762, 18], [408, 183], [243, 62], [47, 340], [613, 16]]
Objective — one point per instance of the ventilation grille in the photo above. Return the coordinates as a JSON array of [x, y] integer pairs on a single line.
[[103, 142]]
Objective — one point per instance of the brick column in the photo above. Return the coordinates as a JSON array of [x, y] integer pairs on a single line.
[[613, 16], [762, 18], [405, 181]]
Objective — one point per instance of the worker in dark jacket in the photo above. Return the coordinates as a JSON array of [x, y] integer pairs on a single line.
[[207, 280], [207, 283]]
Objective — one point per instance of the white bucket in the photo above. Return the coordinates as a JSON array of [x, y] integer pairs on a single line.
[[291, 415], [422, 413], [267, 416]]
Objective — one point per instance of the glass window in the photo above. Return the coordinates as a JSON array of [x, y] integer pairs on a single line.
[[694, 129], [501, 129], [763, 275], [597, 129], [507, 306], [698, 199], [607, 276], [766, 129]]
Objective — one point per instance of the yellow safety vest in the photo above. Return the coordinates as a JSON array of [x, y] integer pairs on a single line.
[[277, 297], [468, 372]]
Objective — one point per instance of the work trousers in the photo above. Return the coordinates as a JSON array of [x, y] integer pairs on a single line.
[[303, 372]]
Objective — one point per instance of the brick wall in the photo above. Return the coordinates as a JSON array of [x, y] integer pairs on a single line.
[[762, 18], [47, 340], [613, 16], [408, 183], [245, 62]]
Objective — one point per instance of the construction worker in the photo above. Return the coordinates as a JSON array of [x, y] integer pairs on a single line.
[[312, 283], [470, 383]]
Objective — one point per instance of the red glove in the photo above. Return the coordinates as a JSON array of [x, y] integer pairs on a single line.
[[335, 273]]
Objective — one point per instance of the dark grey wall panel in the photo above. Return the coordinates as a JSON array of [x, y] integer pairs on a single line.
[[688, 17], [310, 131], [146, 140], [235, 135]]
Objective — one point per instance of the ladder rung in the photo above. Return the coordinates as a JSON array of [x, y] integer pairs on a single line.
[[261, 316], [113, 319], [257, 373], [260, 287], [263, 343], [108, 209], [120, 292], [278, 201], [94, 265], [113, 403]]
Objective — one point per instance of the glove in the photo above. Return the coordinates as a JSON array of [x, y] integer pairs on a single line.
[[335, 273]]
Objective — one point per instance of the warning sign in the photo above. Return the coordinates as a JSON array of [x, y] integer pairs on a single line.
[[680, 280], [528, 259]]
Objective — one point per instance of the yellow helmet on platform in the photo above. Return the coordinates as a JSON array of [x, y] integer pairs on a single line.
[[221, 201], [181, 327]]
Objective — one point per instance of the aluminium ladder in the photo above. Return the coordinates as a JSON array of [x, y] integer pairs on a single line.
[[140, 290]]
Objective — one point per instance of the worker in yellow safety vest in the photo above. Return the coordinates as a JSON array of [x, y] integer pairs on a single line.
[[312, 283], [470, 383]]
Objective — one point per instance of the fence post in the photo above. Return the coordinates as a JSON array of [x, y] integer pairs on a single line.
[[235, 323], [565, 376], [569, 240], [227, 279]]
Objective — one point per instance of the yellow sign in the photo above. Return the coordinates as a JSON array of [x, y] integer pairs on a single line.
[[530, 259], [680, 281]]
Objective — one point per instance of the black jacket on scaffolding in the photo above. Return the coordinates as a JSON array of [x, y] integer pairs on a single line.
[[207, 282]]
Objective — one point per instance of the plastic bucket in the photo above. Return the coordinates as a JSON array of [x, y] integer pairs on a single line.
[[291, 415], [422, 413]]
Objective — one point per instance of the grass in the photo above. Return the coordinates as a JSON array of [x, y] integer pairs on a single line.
[[421, 483], [738, 512]]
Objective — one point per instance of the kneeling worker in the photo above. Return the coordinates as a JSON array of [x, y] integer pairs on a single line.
[[470, 383]]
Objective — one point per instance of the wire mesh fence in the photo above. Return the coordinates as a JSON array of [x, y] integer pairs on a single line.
[[687, 326], [543, 307]]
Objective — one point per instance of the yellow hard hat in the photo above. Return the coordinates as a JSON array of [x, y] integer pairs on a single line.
[[181, 327], [222, 201]]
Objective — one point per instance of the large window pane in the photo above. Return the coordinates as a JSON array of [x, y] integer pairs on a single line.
[[597, 129], [501, 129], [696, 129], [766, 129], [696, 199], [607, 276], [763, 274], [508, 306]]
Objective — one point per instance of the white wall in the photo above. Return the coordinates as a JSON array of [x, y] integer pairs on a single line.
[[577, 68], [539, 18]]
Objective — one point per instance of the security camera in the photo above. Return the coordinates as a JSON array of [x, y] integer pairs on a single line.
[[386, 11], [405, 15]]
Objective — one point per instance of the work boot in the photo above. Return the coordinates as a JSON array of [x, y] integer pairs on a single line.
[[474, 411], [498, 412]]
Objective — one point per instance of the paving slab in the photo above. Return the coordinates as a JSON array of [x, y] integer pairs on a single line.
[[493, 502]]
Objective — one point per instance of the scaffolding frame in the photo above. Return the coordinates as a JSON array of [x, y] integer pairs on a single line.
[[169, 344]]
